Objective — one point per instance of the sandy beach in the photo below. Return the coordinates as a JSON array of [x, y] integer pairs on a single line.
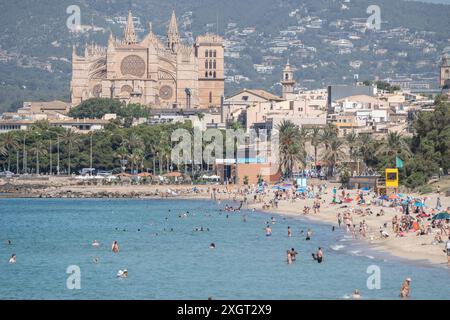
[[411, 246]]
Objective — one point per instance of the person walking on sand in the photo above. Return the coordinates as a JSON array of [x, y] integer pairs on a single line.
[[447, 250], [405, 290]]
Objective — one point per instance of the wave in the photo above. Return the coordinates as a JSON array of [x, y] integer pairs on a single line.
[[337, 247]]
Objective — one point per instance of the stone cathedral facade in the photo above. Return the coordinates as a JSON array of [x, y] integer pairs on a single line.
[[152, 72]]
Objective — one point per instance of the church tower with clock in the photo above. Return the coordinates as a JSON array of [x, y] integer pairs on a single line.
[[152, 72]]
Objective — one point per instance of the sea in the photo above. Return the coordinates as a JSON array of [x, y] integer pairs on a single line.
[[165, 247]]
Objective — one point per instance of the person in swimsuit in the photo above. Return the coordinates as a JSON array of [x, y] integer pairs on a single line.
[[308, 235], [268, 231], [115, 247], [293, 254], [289, 257], [318, 256], [13, 258], [95, 243], [212, 246], [289, 232], [447, 249], [405, 290]]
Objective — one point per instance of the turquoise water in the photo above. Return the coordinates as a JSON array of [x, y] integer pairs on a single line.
[[50, 235]]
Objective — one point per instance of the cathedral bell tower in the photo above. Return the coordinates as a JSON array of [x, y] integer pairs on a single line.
[[445, 71], [173, 36], [288, 81]]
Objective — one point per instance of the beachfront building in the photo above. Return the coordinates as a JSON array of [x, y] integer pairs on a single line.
[[151, 72]]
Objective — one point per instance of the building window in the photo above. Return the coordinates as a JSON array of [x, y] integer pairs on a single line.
[[214, 75], [210, 74], [206, 64], [210, 64], [214, 64], [215, 53], [210, 97], [206, 74], [206, 53], [286, 76]]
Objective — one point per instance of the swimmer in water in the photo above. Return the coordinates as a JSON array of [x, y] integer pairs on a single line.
[[268, 231], [13, 258], [95, 260], [293, 254], [9, 242], [405, 290], [95, 243], [212, 246], [318, 256], [309, 235], [289, 257], [122, 274], [356, 294], [289, 232], [273, 220], [115, 247]]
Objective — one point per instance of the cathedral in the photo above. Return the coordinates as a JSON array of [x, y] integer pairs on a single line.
[[152, 72]]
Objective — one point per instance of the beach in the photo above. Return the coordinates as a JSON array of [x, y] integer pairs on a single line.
[[411, 246]]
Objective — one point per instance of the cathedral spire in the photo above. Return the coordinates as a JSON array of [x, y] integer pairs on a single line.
[[173, 37], [130, 33]]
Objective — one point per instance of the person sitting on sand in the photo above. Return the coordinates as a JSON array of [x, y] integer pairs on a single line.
[[405, 290]]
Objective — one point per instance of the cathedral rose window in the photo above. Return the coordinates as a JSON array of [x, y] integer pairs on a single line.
[[133, 65]]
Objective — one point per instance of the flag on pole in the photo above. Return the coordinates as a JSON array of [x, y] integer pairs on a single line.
[[399, 163]]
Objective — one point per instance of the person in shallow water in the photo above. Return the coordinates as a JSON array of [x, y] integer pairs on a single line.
[[293, 254], [115, 247], [95, 243], [122, 273], [268, 231], [356, 294], [289, 232], [288, 257], [318, 256], [13, 258], [308, 235], [405, 290], [212, 246]]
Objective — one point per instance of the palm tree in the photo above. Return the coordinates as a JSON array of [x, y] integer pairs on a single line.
[[334, 154], [8, 142], [352, 143], [366, 147], [136, 158], [393, 145], [122, 153], [328, 135], [38, 148], [292, 152], [70, 138], [314, 136]]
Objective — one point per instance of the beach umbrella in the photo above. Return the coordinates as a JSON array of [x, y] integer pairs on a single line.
[[419, 204], [393, 196], [400, 195], [384, 197], [301, 190], [365, 189], [442, 216]]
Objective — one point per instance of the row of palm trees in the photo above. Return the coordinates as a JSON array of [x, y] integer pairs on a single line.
[[336, 150]]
